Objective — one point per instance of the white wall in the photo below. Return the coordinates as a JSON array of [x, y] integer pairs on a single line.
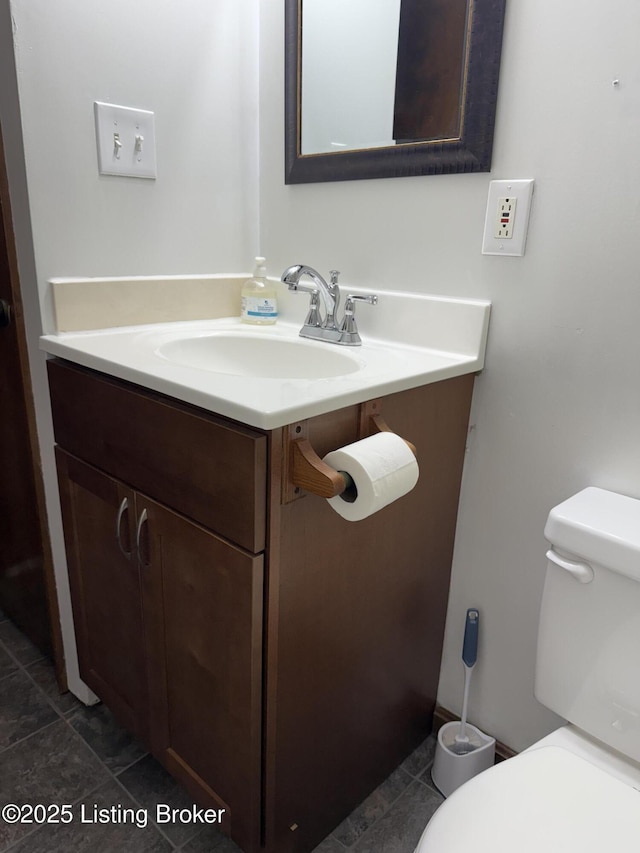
[[194, 63], [557, 407], [191, 62]]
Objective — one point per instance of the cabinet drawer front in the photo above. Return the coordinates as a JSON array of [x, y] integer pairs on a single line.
[[204, 467]]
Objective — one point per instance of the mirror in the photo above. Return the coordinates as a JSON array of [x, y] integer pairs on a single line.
[[393, 88]]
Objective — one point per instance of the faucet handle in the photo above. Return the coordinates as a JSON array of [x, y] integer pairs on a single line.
[[334, 276], [371, 298], [349, 328], [313, 317]]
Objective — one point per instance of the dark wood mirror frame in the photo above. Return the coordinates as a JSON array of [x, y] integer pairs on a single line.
[[468, 151]]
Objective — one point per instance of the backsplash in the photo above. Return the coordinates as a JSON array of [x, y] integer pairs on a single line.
[[81, 304], [416, 319]]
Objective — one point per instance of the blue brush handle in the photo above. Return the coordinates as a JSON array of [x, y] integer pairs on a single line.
[[470, 644]]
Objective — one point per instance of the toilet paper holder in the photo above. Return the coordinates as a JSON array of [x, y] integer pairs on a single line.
[[307, 471]]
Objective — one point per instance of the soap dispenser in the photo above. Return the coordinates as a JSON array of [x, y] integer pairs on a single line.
[[259, 298]]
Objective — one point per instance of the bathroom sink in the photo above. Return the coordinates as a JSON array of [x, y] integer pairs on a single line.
[[268, 376], [246, 354]]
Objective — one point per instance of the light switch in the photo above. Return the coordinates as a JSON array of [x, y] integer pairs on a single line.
[[126, 141]]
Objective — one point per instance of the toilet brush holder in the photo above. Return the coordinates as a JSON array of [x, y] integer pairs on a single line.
[[455, 763]]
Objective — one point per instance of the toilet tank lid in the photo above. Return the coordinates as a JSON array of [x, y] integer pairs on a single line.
[[600, 526]]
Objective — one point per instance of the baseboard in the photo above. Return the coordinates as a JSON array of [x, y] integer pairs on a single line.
[[442, 715]]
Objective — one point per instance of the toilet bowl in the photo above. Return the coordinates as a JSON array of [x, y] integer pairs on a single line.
[[562, 795], [578, 789]]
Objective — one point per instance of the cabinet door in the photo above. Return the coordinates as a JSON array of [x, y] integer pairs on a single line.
[[203, 618], [105, 588]]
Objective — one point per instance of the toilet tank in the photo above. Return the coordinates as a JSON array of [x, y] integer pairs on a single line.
[[588, 660]]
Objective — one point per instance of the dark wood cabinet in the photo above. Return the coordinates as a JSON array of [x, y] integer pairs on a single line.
[[277, 659], [169, 625], [203, 617], [98, 515]]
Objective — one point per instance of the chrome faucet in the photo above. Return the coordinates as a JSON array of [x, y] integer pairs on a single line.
[[315, 326], [329, 293]]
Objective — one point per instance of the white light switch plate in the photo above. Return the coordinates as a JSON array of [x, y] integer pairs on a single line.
[[126, 141], [507, 218]]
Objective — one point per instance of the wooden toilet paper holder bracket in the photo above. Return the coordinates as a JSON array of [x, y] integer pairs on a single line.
[[307, 471]]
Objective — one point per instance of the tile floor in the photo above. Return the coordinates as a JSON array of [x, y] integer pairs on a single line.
[[54, 750]]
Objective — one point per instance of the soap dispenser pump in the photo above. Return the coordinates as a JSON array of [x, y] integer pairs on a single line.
[[259, 298]]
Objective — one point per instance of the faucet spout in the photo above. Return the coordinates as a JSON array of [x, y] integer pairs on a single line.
[[329, 293]]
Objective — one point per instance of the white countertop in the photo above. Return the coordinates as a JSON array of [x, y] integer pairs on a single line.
[[382, 366]]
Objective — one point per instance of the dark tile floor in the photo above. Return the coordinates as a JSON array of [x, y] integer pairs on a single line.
[[53, 750]]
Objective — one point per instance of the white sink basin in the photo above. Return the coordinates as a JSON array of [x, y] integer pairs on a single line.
[[244, 354], [269, 377]]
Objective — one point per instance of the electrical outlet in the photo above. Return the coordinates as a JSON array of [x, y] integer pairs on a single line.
[[504, 232], [505, 218]]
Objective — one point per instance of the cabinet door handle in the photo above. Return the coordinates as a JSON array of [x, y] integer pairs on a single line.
[[124, 506], [141, 522]]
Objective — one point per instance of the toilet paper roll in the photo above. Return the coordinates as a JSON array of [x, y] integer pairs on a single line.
[[383, 469]]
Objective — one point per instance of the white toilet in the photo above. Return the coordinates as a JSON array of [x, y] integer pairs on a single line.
[[578, 789]]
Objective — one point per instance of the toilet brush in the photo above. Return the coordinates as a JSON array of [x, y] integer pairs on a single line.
[[462, 750], [462, 743]]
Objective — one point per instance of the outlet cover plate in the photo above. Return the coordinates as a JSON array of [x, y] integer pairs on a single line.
[[499, 191], [126, 141]]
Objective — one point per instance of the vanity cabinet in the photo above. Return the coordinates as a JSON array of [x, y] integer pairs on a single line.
[[277, 659], [168, 613]]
